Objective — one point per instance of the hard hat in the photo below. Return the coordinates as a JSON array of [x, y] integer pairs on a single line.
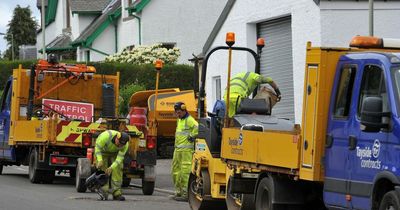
[[124, 138], [180, 106]]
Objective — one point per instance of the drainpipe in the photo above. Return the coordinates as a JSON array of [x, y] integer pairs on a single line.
[[116, 36], [140, 28]]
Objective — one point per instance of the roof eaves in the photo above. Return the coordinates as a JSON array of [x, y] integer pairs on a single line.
[[106, 18], [218, 25], [139, 6]]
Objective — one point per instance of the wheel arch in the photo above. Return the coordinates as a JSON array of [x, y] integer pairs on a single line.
[[383, 182]]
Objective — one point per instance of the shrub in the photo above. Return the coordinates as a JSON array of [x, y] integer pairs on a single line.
[[146, 55], [125, 93]]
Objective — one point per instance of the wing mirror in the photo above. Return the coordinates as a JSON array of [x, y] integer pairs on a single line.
[[372, 116]]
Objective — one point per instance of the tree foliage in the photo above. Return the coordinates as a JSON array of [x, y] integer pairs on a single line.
[[21, 30]]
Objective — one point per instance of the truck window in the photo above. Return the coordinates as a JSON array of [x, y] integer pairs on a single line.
[[344, 92], [373, 84]]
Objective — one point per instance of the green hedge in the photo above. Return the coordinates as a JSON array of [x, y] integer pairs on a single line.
[[171, 76]]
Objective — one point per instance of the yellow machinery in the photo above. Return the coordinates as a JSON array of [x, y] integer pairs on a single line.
[[208, 188], [163, 131]]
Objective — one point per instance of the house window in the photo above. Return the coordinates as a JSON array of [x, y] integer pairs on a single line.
[[217, 87]]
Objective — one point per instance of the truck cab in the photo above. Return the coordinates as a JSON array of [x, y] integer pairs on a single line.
[[362, 142], [5, 151]]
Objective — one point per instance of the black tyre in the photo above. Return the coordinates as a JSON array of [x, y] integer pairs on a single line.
[[35, 175], [264, 195], [1, 169], [148, 187], [126, 182], [80, 181], [390, 201], [199, 190]]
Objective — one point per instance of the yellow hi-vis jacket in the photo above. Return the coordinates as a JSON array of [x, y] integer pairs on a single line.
[[105, 146], [185, 128], [244, 83]]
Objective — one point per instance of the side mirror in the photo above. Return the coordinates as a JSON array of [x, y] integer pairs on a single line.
[[372, 114]]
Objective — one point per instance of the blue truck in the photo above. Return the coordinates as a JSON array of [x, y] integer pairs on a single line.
[[344, 155]]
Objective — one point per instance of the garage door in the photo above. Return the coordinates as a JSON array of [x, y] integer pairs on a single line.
[[277, 61]]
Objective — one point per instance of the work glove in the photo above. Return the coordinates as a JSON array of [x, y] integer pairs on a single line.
[[108, 171], [278, 94], [191, 139], [99, 164]]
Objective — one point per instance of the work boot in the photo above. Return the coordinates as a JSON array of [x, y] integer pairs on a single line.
[[119, 198]]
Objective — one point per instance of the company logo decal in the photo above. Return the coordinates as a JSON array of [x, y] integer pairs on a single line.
[[369, 156]]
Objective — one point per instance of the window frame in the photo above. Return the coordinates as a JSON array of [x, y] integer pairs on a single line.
[[359, 102], [343, 67]]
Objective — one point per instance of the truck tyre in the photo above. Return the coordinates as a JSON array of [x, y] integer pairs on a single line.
[[35, 175], [264, 195], [82, 172], [147, 187], [1, 169], [390, 200]]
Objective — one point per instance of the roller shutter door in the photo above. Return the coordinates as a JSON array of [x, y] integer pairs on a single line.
[[277, 61]]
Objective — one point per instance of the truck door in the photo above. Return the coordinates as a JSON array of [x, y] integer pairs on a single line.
[[367, 152], [5, 151], [338, 135]]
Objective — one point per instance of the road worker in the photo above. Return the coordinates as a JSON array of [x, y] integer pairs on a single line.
[[111, 147], [186, 132], [243, 84]]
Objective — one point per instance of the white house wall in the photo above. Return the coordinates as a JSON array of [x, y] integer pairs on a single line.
[[79, 22], [128, 32], [242, 20], [53, 29], [340, 21], [105, 43], [186, 23]]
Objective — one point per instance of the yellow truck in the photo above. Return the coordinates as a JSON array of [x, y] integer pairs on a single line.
[[49, 114], [344, 156], [161, 133]]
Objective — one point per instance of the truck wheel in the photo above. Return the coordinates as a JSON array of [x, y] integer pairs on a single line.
[[1, 169], [147, 187], [390, 201], [199, 191], [35, 175], [82, 172], [264, 195]]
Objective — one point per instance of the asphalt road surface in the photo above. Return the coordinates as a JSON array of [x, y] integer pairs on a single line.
[[18, 193]]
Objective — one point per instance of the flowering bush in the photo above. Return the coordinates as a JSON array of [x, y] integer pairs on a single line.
[[146, 55]]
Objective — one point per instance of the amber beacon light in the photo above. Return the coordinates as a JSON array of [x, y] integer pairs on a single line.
[[159, 64], [230, 39]]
